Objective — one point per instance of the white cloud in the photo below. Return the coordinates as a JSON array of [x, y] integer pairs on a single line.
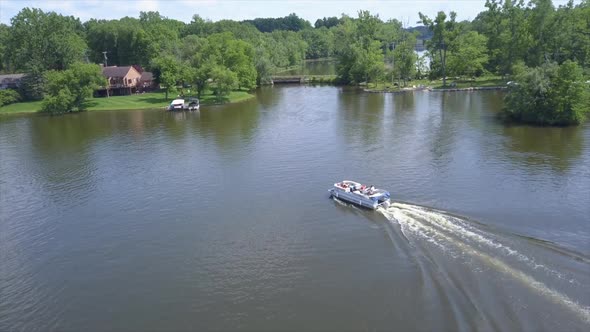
[[147, 5]]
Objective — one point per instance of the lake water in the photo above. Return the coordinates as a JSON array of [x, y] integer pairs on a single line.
[[221, 220]]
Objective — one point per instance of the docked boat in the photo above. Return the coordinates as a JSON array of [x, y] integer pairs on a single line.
[[361, 195], [192, 104]]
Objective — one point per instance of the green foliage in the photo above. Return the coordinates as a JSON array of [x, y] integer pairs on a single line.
[[4, 38], [9, 96], [320, 42], [224, 80], [549, 95], [32, 85], [131, 41], [444, 34], [168, 72], [403, 56], [205, 56], [327, 22], [289, 23], [44, 41], [359, 54], [67, 90], [535, 33], [235, 55], [125, 41], [469, 55]]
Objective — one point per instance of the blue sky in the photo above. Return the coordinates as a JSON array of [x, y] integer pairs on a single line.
[[403, 10]]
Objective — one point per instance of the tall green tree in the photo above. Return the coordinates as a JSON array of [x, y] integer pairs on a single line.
[[44, 41], [359, 53], [444, 34], [168, 72], [468, 54], [292, 22], [540, 19], [326, 22], [320, 42], [67, 90], [4, 38], [549, 95], [235, 55], [224, 80], [403, 56], [163, 34], [125, 41]]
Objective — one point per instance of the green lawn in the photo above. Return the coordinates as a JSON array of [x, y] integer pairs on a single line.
[[154, 100]]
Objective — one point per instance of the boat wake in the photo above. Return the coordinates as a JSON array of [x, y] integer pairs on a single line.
[[473, 260]]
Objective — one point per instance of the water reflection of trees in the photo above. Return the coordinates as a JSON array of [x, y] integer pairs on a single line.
[[538, 146], [405, 101], [361, 116], [229, 126], [61, 152]]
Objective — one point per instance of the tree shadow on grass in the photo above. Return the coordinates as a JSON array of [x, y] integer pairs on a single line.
[[154, 100], [89, 104]]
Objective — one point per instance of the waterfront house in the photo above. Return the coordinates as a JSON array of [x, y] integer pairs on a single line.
[[10, 81], [146, 81], [121, 80]]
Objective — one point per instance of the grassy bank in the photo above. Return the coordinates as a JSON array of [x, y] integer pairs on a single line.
[[153, 100], [488, 81]]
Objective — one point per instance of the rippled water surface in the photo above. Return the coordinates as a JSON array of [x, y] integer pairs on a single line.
[[221, 220]]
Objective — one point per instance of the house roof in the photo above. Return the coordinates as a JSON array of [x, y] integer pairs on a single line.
[[147, 76], [114, 71], [138, 68], [11, 76]]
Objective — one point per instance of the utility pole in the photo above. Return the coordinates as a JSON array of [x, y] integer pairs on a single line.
[[104, 54]]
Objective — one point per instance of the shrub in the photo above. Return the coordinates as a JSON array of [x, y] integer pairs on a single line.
[[549, 95], [9, 96]]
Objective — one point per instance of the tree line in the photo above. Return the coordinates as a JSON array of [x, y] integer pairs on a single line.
[[505, 39]]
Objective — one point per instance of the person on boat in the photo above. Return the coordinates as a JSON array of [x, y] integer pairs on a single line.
[[371, 189]]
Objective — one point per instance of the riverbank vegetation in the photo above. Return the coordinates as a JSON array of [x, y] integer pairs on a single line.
[[228, 55], [549, 94]]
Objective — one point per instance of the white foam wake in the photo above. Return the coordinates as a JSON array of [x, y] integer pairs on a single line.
[[450, 233]]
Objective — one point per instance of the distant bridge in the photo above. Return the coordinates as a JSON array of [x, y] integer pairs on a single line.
[[301, 79], [288, 79]]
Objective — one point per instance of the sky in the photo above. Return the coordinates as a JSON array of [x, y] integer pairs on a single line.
[[311, 10]]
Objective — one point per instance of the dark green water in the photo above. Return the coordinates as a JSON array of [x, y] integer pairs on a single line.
[[220, 219]]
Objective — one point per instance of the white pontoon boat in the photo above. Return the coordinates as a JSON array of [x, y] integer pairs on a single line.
[[356, 193], [192, 104]]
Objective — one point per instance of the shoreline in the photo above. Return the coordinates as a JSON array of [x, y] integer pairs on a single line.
[[430, 89], [35, 107]]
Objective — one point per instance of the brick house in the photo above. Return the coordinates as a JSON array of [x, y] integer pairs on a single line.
[[146, 81], [121, 80]]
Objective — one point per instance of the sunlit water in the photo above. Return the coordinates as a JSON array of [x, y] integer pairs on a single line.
[[221, 219]]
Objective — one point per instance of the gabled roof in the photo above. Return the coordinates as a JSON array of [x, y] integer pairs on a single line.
[[138, 68], [114, 71], [147, 76]]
